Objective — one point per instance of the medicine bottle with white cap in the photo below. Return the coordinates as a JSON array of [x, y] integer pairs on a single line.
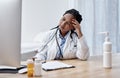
[[30, 68], [37, 67]]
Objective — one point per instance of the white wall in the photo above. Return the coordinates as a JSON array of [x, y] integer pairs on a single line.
[[40, 15]]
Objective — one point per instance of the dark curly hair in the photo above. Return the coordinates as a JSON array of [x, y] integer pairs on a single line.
[[75, 13]]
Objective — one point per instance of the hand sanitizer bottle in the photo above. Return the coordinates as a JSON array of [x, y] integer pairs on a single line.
[[107, 54]]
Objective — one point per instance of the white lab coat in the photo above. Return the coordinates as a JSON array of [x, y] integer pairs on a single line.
[[73, 48]]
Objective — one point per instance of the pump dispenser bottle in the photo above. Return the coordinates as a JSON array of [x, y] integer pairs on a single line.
[[107, 54]]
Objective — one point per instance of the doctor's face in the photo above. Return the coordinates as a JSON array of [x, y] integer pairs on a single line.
[[65, 23]]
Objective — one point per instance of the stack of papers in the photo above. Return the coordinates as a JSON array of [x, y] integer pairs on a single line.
[[54, 65]]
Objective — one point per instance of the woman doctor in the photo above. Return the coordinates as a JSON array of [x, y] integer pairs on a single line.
[[66, 41]]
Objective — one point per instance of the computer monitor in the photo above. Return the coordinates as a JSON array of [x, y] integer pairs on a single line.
[[10, 32]]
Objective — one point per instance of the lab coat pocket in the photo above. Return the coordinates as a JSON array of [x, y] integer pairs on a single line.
[[73, 46], [72, 51]]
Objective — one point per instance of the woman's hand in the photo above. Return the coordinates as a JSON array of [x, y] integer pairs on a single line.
[[77, 27]]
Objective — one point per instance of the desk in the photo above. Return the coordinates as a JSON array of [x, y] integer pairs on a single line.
[[84, 69]]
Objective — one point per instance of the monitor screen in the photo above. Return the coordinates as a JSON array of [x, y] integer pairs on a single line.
[[10, 32]]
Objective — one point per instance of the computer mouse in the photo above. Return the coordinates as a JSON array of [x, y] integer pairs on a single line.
[[22, 71]]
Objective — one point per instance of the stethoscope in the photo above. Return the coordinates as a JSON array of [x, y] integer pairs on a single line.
[[75, 43], [61, 55], [55, 35]]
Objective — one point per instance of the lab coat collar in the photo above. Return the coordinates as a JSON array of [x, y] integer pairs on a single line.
[[60, 36]]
